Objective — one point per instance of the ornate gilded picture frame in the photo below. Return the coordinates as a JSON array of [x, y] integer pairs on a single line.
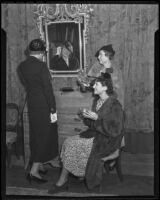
[[61, 23]]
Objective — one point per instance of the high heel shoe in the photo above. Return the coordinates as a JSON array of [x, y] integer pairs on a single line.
[[44, 172], [31, 178], [56, 189], [112, 166]]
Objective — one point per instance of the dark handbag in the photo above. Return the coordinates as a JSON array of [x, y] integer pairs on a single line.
[[89, 133]]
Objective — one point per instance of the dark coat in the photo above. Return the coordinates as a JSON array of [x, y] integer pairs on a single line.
[[36, 78], [58, 63], [107, 131], [41, 102]]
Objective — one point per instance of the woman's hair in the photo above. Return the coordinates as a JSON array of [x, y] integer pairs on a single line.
[[108, 49], [68, 46], [106, 80]]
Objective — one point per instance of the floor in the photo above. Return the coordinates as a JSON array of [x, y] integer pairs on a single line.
[[132, 164], [111, 186], [138, 171]]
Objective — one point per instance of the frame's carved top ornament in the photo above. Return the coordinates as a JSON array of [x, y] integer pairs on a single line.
[[63, 13]]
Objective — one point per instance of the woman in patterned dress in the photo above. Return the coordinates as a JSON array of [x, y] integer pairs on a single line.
[[81, 152]]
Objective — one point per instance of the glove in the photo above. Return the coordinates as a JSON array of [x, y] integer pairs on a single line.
[[53, 117]]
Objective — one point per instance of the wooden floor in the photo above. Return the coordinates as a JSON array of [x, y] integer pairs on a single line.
[[16, 184], [138, 164], [138, 171], [132, 164]]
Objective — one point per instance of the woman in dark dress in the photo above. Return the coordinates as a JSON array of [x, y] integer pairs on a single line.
[[41, 106]]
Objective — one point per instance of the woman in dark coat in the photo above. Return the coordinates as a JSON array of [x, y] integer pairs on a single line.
[[81, 154], [41, 105]]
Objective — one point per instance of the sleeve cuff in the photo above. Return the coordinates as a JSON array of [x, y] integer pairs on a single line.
[[53, 110]]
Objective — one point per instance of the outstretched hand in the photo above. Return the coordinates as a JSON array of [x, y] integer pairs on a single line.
[[89, 114]]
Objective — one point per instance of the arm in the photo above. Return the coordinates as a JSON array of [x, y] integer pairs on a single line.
[[89, 116], [112, 123], [47, 88], [88, 122], [20, 75]]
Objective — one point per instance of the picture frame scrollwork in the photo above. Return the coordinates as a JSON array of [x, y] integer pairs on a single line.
[[59, 22]]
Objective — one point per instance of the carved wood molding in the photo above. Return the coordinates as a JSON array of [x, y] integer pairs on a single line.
[[63, 13]]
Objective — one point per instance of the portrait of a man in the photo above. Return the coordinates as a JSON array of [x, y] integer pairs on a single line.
[[64, 59]]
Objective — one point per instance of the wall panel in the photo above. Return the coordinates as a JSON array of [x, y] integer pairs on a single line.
[[129, 28]]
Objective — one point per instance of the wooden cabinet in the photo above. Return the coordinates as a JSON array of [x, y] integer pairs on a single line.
[[68, 105], [69, 124]]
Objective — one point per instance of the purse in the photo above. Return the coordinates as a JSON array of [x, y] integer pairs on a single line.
[[89, 133]]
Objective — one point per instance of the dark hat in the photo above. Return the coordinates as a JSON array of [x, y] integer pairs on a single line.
[[37, 45], [107, 48], [106, 75], [68, 46]]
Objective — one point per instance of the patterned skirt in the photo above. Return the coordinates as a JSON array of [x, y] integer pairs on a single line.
[[75, 153]]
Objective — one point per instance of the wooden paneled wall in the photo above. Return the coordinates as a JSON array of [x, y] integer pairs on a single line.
[[129, 28]]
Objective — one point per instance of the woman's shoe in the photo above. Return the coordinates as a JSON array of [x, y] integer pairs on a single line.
[[81, 179], [112, 166], [44, 172], [56, 189], [31, 178]]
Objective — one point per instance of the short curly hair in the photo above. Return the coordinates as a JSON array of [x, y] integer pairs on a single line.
[[106, 80]]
